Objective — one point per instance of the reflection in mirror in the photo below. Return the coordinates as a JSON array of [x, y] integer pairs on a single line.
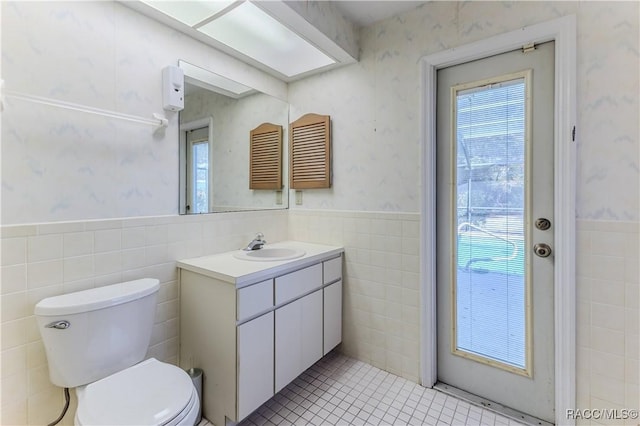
[[215, 127]]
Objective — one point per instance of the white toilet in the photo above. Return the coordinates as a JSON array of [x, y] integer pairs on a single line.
[[95, 340]]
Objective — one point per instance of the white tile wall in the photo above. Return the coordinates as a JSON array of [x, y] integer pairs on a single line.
[[39, 261], [607, 316], [381, 282], [382, 292], [381, 289]]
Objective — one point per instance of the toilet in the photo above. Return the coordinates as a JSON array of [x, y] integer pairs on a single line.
[[96, 341]]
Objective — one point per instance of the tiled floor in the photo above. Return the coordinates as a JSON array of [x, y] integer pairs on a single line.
[[339, 390]]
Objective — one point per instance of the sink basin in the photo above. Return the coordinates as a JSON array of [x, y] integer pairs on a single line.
[[269, 254]]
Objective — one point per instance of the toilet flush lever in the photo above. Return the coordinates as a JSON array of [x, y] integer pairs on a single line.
[[60, 325]]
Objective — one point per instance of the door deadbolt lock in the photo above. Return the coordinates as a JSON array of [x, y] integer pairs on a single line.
[[542, 250], [543, 223]]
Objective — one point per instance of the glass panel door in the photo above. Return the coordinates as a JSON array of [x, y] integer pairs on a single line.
[[490, 300], [495, 175]]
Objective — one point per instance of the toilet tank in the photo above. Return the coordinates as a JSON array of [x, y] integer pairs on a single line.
[[94, 333]]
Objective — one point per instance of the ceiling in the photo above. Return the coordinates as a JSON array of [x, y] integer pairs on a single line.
[[271, 35], [364, 13]]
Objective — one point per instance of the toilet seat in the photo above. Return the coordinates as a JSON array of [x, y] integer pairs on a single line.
[[148, 393]]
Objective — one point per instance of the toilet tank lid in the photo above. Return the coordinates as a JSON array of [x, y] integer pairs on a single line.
[[96, 298]]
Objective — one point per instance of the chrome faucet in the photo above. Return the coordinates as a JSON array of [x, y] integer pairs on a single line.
[[256, 243]]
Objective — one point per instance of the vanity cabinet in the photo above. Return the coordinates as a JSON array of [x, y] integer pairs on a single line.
[[252, 339]]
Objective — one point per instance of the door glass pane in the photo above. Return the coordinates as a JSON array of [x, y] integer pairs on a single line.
[[200, 161], [490, 286]]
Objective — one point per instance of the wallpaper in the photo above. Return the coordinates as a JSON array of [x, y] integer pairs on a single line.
[[60, 165], [375, 111]]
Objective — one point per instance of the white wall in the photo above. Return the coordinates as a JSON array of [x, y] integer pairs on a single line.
[[72, 175], [89, 201], [374, 107], [67, 165], [49, 259]]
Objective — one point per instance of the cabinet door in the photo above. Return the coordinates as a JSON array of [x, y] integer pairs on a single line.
[[311, 329], [298, 337], [255, 364], [332, 316]]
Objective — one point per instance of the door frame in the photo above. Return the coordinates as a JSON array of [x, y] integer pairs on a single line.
[[563, 32]]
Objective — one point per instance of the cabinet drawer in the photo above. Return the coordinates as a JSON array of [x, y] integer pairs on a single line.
[[254, 299], [332, 270], [297, 283]]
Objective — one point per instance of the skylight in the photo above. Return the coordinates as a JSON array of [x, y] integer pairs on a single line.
[[190, 12], [247, 29]]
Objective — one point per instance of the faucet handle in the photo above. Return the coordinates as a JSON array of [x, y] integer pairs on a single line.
[[260, 236]]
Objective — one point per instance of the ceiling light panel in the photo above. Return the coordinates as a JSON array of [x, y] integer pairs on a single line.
[[252, 32], [189, 12]]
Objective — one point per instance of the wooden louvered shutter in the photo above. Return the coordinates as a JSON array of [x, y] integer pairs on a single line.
[[265, 157], [309, 152]]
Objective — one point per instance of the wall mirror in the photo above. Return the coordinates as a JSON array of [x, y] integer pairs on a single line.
[[215, 125]]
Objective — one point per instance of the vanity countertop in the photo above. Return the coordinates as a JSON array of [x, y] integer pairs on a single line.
[[226, 267]]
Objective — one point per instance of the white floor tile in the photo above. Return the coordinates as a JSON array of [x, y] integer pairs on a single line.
[[342, 391]]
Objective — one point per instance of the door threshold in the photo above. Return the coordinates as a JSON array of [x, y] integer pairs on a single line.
[[490, 405]]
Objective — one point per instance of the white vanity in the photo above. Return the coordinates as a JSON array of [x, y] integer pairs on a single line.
[[253, 324]]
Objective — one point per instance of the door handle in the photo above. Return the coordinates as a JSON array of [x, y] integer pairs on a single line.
[[542, 250]]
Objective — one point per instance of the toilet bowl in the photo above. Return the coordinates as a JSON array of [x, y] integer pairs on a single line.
[[149, 393], [96, 340]]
